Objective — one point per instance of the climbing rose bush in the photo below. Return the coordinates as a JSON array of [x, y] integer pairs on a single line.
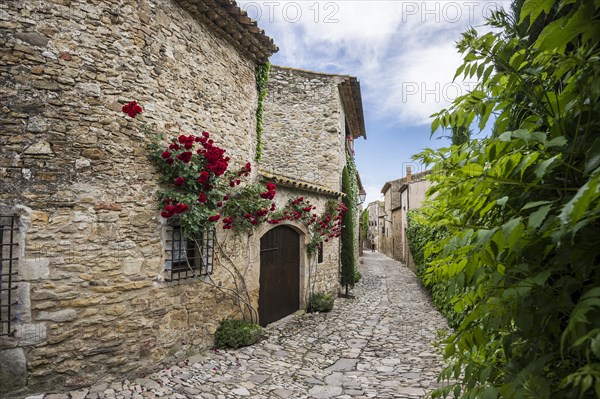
[[198, 187], [323, 227]]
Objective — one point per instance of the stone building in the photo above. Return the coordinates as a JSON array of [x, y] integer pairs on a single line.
[[310, 124], [390, 244], [400, 196], [374, 229], [87, 263], [412, 194]]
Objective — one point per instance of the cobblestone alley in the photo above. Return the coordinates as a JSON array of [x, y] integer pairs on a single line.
[[377, 345]]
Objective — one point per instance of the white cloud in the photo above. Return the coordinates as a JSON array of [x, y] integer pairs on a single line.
[[403, 52]]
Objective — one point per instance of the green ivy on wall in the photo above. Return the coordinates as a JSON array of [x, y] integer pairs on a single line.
[[262, 76]]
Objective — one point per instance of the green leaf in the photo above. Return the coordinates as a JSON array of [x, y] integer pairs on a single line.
[[506, 136], [502, 201], [510, 226], [459, 71], [542, 167], [435, 125], [489, 393], [533, 8], [534, 204], [557, 142], [537, 218], [559, 33], [574, 210], [592, 157]]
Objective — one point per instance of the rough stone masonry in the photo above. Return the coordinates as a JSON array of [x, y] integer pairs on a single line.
[[92, 297]]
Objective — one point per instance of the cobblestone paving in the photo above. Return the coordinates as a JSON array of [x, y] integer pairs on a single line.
[[377, 345]]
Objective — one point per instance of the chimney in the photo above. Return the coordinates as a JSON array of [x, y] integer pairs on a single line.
[[408, 174]]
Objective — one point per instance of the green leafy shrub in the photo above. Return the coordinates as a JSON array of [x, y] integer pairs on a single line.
[[320, 302], [357, 276], [421, 235], [522, 208], [237, 333]]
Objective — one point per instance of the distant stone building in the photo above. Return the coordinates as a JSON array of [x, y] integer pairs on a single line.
[[412, 194], [400, 196], [390, 242], [374, 231]]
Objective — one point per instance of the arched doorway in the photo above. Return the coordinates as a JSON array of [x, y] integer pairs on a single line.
[[279, 293]]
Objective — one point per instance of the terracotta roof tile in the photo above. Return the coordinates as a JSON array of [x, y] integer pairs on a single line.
[[228, 20]]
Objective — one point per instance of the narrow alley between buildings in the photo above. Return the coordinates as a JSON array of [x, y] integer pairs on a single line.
[[376, 345]]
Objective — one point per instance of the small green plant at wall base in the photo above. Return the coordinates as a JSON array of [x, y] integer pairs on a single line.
[[320, 302], [237, 333]]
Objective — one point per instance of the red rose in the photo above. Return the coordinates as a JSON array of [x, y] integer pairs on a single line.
[[174, 147], [185, 156], [180, 208], [165, 155], [180, 181], [132, 109], [206, 134], [226, 197], [202, 198], [219, 204], [170, 208], [169, 161], [203, 177], [166, 214], [214, 218]]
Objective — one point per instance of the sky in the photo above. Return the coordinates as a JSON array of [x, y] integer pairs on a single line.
[[403, 53]]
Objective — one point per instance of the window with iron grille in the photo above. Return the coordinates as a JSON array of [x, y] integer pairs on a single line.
[[189, 257], [8, 273]]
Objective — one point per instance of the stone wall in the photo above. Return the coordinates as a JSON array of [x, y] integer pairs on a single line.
[[412, 198], [304, 127], [322, 277], [391, 239], [374, 231], [93, 301], [304, 140]]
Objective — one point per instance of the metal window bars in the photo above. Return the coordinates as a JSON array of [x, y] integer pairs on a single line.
[[8, 273], [189, 257]]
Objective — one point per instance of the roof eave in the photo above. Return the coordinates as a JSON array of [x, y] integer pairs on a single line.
[[352, 101], [226, 19]]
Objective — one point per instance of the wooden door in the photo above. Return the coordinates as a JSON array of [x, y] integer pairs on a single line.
[[279, 293]]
